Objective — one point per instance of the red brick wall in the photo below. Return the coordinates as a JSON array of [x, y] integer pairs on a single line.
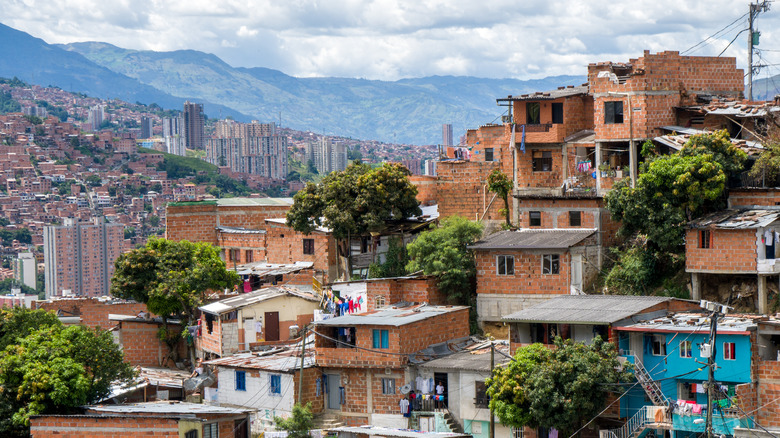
[[462, 192], [768, 392], [255, 243], [751, 197], [682, 76], [527, 177], [99, 427], [528, 278], [731, 250], [142, 346], [93, 313], [427, 193], [211, 342], [285, 245], [197, 222], [405, 339], [412, 290], [309, 395], [577, 115]]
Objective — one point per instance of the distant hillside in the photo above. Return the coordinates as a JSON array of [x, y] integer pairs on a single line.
[[767, 88], [36, 62], [408, 111]]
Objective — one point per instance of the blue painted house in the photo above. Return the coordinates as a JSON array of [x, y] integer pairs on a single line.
[[670, 356]]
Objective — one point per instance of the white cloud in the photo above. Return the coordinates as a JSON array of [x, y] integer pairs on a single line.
[[390, 39]]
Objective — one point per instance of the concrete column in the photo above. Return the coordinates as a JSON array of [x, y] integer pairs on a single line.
[[597, 164], [695, 286], [762, 295]]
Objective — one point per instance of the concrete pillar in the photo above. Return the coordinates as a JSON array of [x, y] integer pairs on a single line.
[[695, 286], [597, 164], [762, 296]]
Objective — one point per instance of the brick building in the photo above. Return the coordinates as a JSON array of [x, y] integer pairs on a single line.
[[365, 357], [734, 243], [154, 419], [91, 312], [237, 323], [139, 339], [518, 269]]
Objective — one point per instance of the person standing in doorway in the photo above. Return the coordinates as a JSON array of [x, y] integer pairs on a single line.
[[439, 395]]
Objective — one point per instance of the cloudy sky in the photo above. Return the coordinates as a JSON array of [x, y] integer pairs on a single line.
[[392, 39]]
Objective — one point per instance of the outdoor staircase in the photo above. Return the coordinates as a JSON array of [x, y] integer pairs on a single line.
[[327, 420], [643, 422], [452, 424], [651, 387]]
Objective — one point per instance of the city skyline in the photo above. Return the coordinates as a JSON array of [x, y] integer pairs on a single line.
[[391, 40]]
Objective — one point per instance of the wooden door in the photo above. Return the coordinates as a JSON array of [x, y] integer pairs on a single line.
[[271, 326]]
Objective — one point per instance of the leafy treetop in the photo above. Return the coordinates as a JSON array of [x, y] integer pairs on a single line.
[[355, 201], [501, 185], [555, 387], [299, 424]]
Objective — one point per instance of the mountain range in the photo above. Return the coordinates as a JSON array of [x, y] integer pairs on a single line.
[[404, 111]]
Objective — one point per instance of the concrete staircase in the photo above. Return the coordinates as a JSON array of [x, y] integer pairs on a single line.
[[452, 424], [327, 420]]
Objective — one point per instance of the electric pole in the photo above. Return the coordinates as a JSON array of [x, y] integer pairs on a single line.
[[753, 37], [711, 366], [492, 365]]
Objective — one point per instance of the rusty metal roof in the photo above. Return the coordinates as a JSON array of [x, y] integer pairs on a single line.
[[248, 299], [737, 219], [263, 269], [680, 136], [558, 93], [390, 316], [281, 361], [525, 238], [737, 108]]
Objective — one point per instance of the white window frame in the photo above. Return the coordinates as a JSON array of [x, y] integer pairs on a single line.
[[661, 340], [729, 347], [506, 271], [388, 386], [686, 347]]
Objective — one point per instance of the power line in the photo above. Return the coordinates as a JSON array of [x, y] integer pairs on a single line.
[[732, 42], [713, 35]]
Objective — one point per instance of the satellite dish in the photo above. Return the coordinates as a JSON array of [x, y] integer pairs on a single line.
[[406, 388]]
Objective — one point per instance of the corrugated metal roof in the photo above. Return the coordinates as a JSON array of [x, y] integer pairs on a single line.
[[525, 238], [473, 358], [690, 322], [549, 95], [283, 221], [284, 361], [239, 202], [391, 316], [238, 230], [401, 433], [741, 109], [586, 309], [680, 136], [166, 407], [263, 269], [248, 299], [737, 219]]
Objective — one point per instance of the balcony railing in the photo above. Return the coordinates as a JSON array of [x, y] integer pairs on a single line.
[[541, 127]]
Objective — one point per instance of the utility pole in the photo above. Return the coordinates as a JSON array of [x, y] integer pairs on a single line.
[[753, 37], [492, 365], [711, 366]]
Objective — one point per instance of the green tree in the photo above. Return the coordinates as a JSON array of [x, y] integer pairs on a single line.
[[501, 185], [129, 232], [719, 146], [154, 220], [443, 252], [94, 180], [555, 388], [300, 423], [354, 202], [396, 259], [18, 322], [54, 370], [171, 278]]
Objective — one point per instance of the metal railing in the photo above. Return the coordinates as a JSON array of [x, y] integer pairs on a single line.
[[651, 388], [634, 424]]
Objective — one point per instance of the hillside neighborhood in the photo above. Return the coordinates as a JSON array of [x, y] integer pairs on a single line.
[[601, 263]]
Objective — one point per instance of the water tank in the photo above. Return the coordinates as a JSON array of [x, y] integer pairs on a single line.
[[294, 331], [705, 350]]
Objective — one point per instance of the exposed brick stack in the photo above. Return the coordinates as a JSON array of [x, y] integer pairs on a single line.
[[729, 251], [93, 311], [411, 290], [142, 346], [462, 190], [285, 245], [100, 427], [527, 279]]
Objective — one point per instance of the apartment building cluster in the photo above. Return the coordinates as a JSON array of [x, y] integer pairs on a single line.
[[249, 148], [327, 155]]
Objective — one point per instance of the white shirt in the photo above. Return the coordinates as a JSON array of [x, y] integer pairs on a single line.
[[439, 389]]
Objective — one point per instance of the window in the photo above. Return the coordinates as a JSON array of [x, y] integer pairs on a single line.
[[551, 264], [705, 239], [275, 384], [613, 112], [557, 112], [240, 380], [191, 434], [685, 349], [381, 339], [542, 161], [518, 432], [488, 154], [659, 345], [535, 218], [211, 430], [575, 218], [380, 301], [729, 351], [480, 397], [532, 113], [308, 246], [388, 386], [505, 265], [249, 256]]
